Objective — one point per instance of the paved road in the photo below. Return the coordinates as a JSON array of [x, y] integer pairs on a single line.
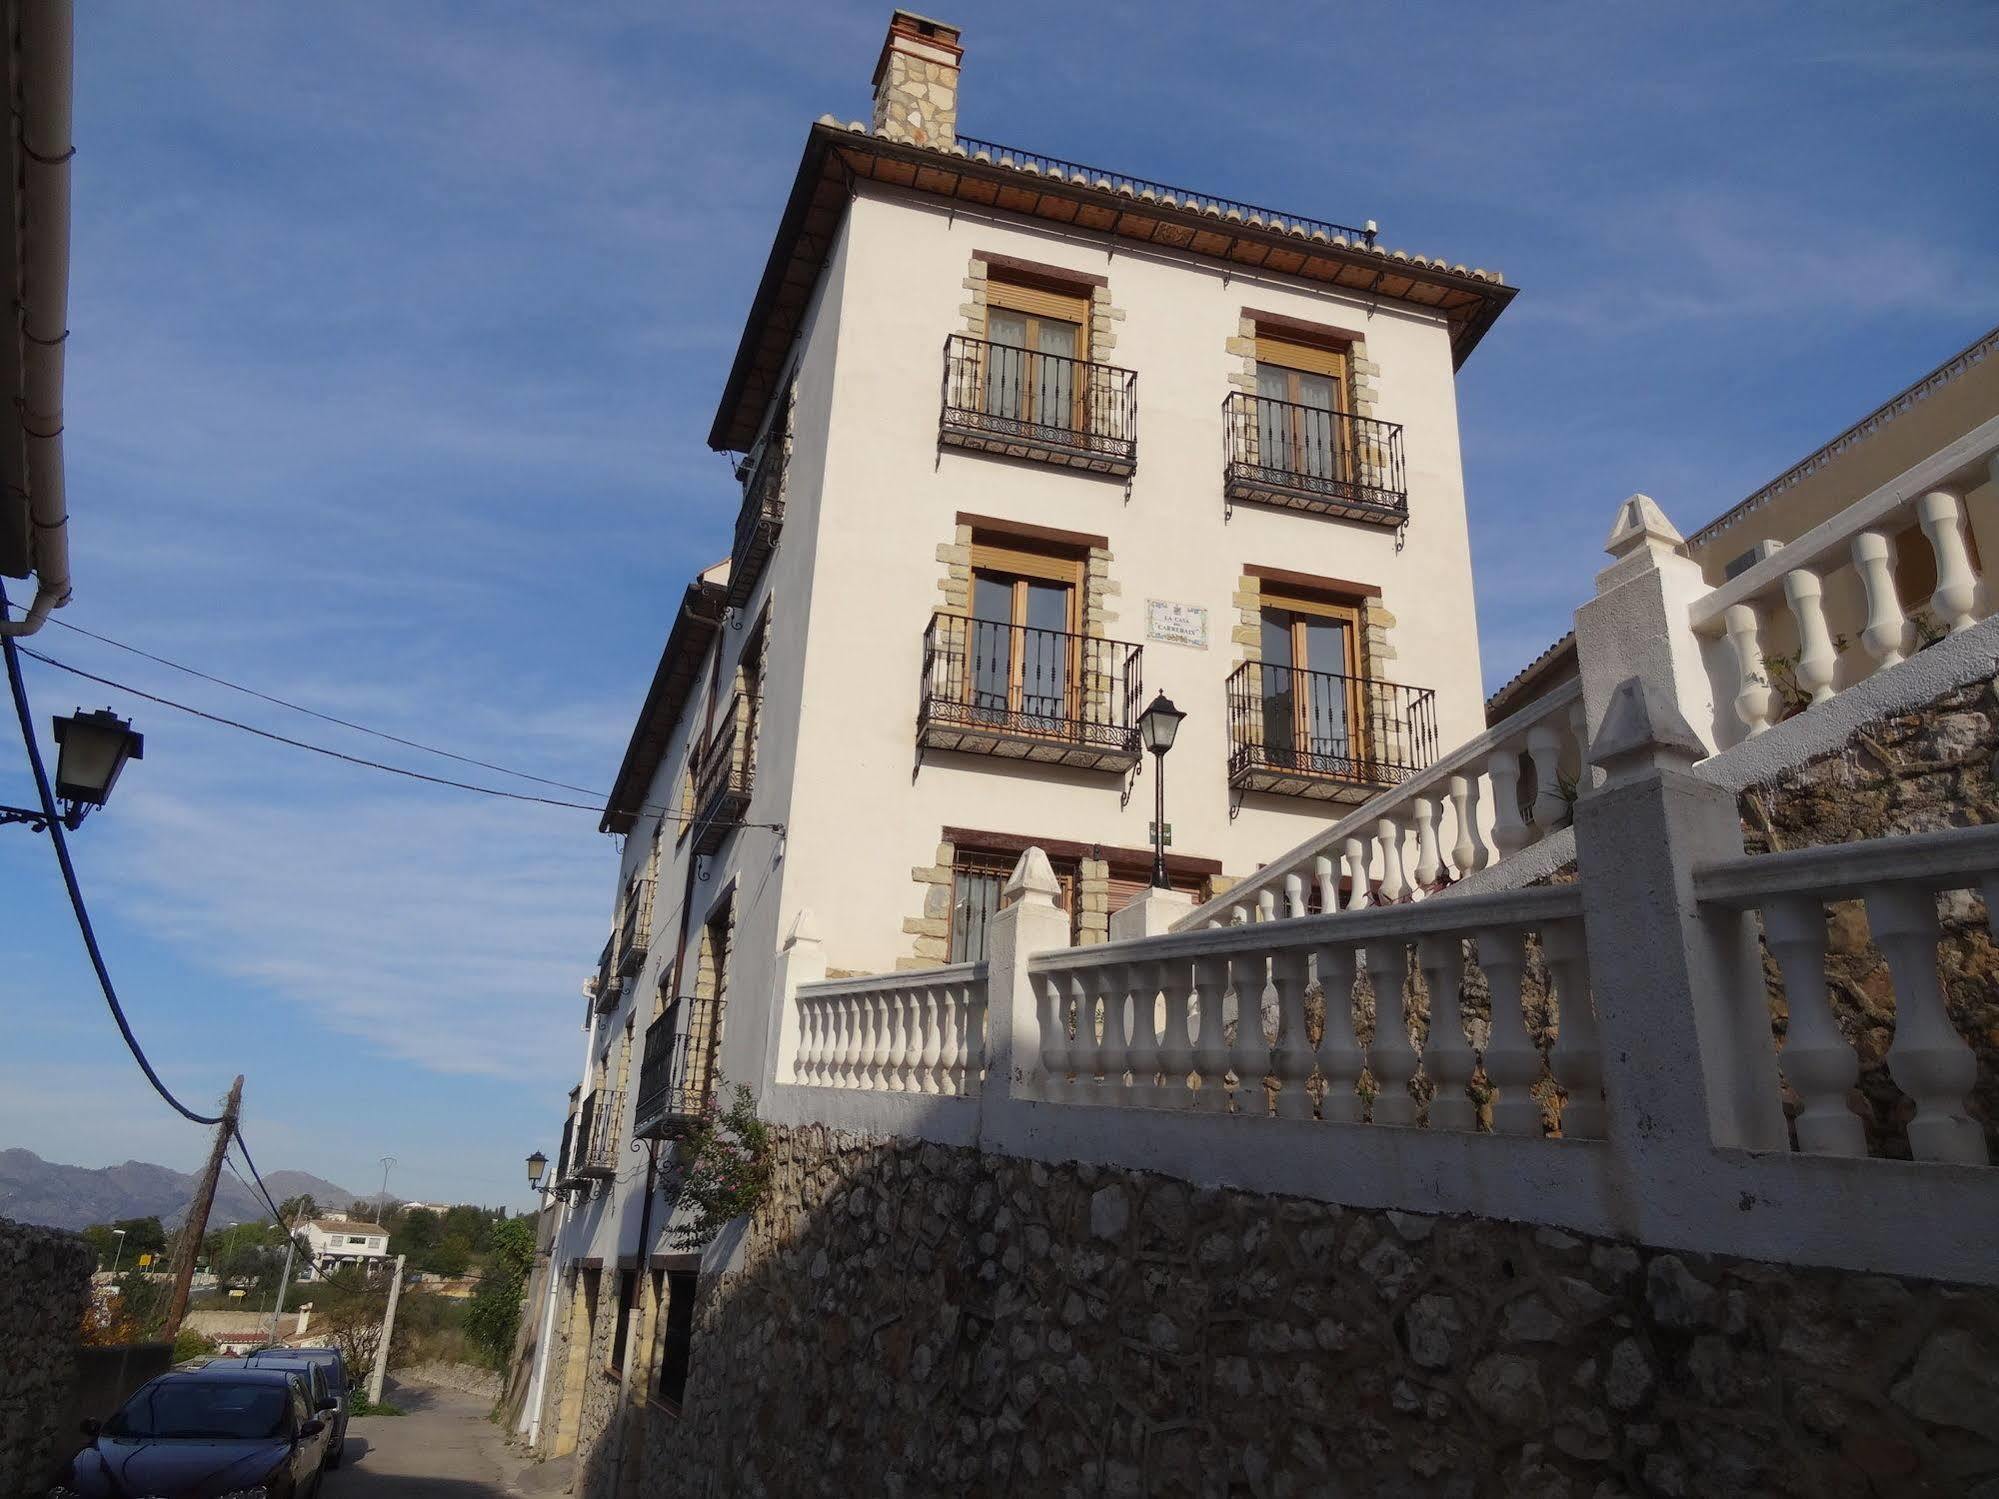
[[443, 1447]]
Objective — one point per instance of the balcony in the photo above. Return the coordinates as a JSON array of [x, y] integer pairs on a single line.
[[563, 1175], [1324, 736], [604, 996], [1047, 696], [635, 931], [676, 1077], [760, 519], [1044, 407], [1307, 458], [596, 1140], [724, 772]]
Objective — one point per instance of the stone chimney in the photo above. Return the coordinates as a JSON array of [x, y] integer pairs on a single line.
[[916, 82]]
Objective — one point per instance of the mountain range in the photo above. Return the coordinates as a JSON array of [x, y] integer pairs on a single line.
[[33, 1190]]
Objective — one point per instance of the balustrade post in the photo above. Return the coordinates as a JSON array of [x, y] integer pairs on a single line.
[[811, 1023], [1211, 1053], [1291, 1050], [1817, 661], [1028, 922], [853, 1045], [1142, 1053], [1468, 853], [1429, 862], [897, 1062], [1887, 626], [1819, 1063], [1544, 748], [1753, 697], [1928, 1058], [953, 1012], [1249, 1056], [1328, 883], [1510, 833], [1358, 892], [1294, 896], [1941, 515], [1389, 836], [929, 1076], [801, 961], [1340, 1058], [1447, 1053], [874, 1052], [1391, 1057], [1512, 1063], [1576, 1059], [1052, 1017], [1176, 1051]]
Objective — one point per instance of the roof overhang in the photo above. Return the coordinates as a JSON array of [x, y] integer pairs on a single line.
[[836, 157], [673, 682]]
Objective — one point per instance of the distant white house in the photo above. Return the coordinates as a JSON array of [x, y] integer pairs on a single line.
[[334, 1242]]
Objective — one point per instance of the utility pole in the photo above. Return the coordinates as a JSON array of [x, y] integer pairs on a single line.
[[382, 1202], [197, 1213], [388, 1332], [284, 1278]]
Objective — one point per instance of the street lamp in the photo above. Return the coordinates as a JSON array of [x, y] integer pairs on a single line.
[[537, 1163], [1157, 727], [118, 1249], [93, 750]]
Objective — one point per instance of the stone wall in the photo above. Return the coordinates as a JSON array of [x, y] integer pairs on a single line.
[[915, 1320], [1910, 773], [467, 1379], [44, 1287]]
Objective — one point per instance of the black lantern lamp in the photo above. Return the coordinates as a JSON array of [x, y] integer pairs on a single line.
[[537, 1163], [93, 749], [1157, 727]]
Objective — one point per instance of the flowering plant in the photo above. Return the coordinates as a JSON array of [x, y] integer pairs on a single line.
[[727, 1170]]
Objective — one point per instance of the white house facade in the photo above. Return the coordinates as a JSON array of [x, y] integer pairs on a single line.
[[333, 1243], [1025, 445]]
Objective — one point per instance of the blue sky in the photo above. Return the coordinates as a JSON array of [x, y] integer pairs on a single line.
[[397, 330]]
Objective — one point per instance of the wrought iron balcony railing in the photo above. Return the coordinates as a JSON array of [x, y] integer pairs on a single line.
[[563, 1175], [597, 1135], [760, 519], [677, 1074], [605, 996], [1325, 736], [993, 688], [724, 773], [1026, 404], [1309, 458], [635, 930]]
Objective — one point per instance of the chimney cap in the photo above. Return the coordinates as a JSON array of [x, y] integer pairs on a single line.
[[924, 29]]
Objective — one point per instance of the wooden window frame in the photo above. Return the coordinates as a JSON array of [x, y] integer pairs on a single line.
[[1024, 564], [1331, 358], [1300, 606], [1036, 303]]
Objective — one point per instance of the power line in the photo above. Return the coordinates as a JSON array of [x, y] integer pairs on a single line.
[[262, 1190], [362, 761], [82, 912], [359, 728]]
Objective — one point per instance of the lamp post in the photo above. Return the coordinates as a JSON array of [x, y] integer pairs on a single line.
[[117, 1249], [93, 749], [537, 1164], [1157, 727]]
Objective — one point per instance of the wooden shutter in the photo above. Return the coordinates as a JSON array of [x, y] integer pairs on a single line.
[[1038, 301], [1313, 358]]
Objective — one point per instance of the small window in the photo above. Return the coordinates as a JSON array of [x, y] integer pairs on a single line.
[[627, 1289], [977, 878], [677, 1346]]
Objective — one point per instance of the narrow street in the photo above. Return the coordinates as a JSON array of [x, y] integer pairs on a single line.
[[442, 1447]]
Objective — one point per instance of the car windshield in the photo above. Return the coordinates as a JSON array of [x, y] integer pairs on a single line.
[[197, 1409]]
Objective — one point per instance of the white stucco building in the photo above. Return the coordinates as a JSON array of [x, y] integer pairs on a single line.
[[337, 1242], [1023, 444]]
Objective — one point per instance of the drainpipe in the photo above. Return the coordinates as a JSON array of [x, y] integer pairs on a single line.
[[555, 1258], [44, 150]]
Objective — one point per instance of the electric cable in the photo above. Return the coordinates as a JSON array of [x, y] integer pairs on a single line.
[[362, 761], [262, 1190], [57, 832], [359, 728]]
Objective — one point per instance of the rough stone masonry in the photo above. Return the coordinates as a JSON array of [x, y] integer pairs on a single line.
[[44, 1285], [917, 1320]]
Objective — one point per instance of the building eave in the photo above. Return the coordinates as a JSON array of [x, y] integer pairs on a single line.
[[673, 682], [836, 157]]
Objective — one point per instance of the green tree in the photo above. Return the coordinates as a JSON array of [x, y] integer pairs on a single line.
[[417, 1236], [450, 1256], [292, 1209], [142, 1236], [495, 1314]]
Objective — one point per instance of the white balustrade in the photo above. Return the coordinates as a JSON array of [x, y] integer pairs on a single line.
[[1817, 661], [918, 1032], [1898, 880], [1270, 1068], [1941, 515], [1886, 627], [1753, 696]]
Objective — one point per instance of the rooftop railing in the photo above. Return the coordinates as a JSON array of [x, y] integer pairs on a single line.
[[1166, 196]]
